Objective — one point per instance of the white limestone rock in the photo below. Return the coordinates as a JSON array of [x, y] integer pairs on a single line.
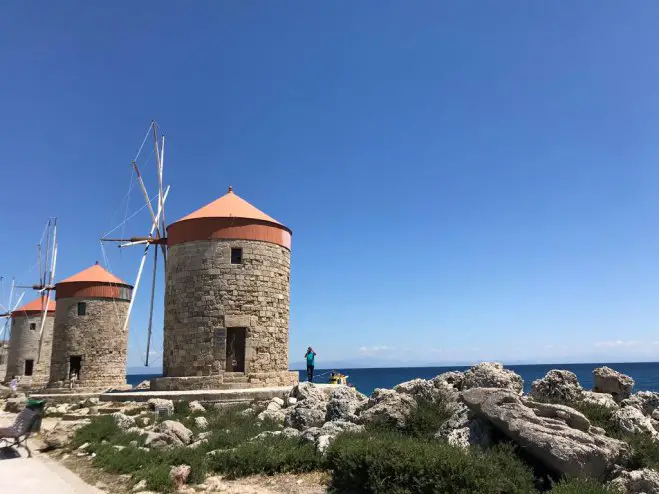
[[558, 386], [386, 406], [492, 375], [607, 380], [645, 481], [196, 407], [632, 421]]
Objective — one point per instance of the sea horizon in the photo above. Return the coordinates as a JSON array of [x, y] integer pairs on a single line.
[[366, 379]]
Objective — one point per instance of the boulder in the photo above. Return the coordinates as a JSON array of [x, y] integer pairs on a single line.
[[290, 433], [59, 436], [161, 404], [643, 481], [176, 429], [278, 401], [452, 380], [324, 436], [646, 401], [201, 422], [196, 407], [631, 420], [599, 399], [386, 406], [607, 380], [124, 422], [290, 401], [558, 386], [307, 391], [570, 416], [15, 405], [179, 475], [550, 441], [306, 414], [465, 429], [276, 416], [492, 375], [426, 390], [90, 402], [273, 406], [343, 404], [161, 440]]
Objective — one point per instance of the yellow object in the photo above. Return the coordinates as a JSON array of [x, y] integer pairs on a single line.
[[338, 378]]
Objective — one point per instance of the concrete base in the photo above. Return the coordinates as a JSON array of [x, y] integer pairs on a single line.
[[60, 398], [225, 380], [212, 395]]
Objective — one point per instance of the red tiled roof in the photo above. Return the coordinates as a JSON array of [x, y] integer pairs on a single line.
[[36, 306], [93, 274], [230, 205]]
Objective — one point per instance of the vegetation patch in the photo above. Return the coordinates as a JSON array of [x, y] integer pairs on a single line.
[[385, 462]]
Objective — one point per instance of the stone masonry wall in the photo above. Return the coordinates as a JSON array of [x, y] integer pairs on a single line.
[[205, 294], [97, 336], [3, 361], [24, 345]]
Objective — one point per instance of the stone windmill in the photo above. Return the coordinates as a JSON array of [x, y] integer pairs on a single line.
[[156, 234]]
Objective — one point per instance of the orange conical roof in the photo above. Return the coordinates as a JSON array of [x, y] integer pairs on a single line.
[[94, 274], [230, 205], [35, 306]]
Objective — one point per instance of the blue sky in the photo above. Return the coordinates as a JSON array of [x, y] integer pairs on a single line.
[[464, 180]]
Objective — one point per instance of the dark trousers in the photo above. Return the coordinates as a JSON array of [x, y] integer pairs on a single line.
[[310, 373]]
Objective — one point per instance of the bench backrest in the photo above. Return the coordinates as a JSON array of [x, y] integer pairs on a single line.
[[24, 420]]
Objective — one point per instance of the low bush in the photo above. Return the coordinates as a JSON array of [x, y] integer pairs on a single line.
[[101, 429], [389, 462], [275, 454], [645, 452], [599, 416], [426, 419], [581, 486]]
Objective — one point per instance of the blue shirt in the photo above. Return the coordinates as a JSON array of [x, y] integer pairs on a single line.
[[310, 358]]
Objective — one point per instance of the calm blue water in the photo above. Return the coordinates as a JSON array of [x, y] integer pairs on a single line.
[[646, 375]]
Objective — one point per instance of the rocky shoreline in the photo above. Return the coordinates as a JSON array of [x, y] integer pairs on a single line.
[[560, 429]]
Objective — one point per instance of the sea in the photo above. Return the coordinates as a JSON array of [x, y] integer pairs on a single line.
[[646, 374]]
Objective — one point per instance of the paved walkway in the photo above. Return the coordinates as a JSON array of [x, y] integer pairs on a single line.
[[39, 475]]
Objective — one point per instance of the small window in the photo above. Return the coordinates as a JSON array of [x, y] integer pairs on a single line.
[[236, 255], [33, 326], [82, 308], [29, 367]]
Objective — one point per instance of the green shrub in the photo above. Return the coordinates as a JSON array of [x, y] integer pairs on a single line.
[[271, 455], [645, 452], [157, 478], [390, 462], [581, 486], [126, 461], [102, 428], [599, 416], [426, 419]]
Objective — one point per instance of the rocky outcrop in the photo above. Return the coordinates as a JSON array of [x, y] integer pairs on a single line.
[[386, 406], [607, 380], [492, 375], [570, 416], [646, 401], [307, 391], [306, 414], [550, 441], [324, 436], [160, 404], [179, 475], [630, 420], [343, 404], [15, 405], [175, 429], [599, 399], [465, 429], [143, 386], [429, 391], [196, 407], [643, 481], [453, 380], [123, 421], [558, 386]]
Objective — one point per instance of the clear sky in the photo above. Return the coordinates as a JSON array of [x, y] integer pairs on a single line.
[[464, 180]]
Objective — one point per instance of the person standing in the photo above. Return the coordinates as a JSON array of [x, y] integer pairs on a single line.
[[311, 358], [13, 385]]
